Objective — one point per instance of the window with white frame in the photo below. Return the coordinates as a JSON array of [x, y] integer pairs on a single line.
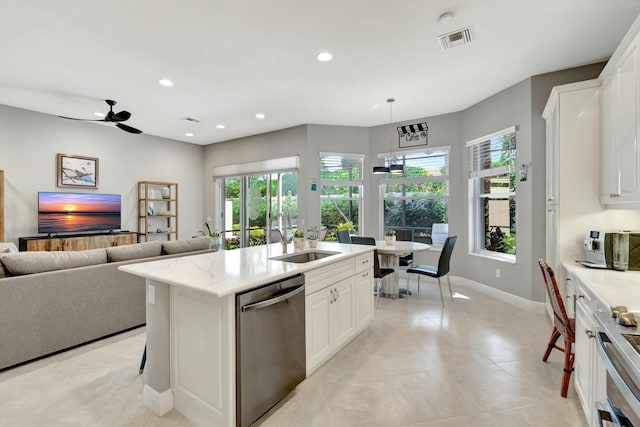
[[492, 189], [341, 186], [419, 198]]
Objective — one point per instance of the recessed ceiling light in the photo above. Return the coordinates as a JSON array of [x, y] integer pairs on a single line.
[[445, 17], [98, 114], [220, 126], [188, 134], [165, 82], [259, 116], [324, 57]]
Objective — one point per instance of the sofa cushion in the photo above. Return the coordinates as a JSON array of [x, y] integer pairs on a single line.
[[21, 263], [181, 246], [3, 271], [135, 251]]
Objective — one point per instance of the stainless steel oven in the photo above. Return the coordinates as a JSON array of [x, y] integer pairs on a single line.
[[619, 349]]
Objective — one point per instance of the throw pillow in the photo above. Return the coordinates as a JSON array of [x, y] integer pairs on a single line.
[[38, 262], [135, 251], [181, 246]]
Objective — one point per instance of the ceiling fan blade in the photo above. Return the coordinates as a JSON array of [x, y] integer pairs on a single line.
[[128, 128], [121, 116], [82, 120]]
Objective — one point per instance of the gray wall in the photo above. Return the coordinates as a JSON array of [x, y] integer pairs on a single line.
[[511, 107], [519, 105], [444, 130], [306, 141], [29, 142]]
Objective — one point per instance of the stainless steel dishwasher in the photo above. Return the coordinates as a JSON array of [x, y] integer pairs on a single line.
[[270, 346]]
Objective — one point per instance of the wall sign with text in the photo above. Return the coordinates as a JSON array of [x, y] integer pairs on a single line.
[[413, 135]]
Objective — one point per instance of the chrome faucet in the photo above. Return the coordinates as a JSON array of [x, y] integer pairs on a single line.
[[288, 225]]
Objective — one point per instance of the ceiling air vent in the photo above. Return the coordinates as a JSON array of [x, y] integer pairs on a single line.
[[191, 119], [455, 38]]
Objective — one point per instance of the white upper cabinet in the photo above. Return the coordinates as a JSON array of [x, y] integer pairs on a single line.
[[620, 125], [572, 186]]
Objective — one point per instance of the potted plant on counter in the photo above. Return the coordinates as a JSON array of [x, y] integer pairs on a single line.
[[390, 236], [298, 238], [216, 237], [312, 236]]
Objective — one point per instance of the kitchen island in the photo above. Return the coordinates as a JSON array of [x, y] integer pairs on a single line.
[[191, 323]]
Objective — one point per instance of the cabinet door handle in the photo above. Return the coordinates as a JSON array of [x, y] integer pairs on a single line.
[[613, 195], [589, 333], [336, 294], [580, 296], [331, 299], [365, 274]]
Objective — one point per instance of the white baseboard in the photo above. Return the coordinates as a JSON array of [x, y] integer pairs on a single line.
[[159, 403], [525, 304]]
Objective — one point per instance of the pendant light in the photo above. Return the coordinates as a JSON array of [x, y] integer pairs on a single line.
[[381, 170], [395, 169]]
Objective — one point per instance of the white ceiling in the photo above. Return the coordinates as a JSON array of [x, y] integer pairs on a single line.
[[230, 59]]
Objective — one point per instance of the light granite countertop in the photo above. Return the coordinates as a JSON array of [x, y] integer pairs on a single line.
[[609, 286], [224, 272]]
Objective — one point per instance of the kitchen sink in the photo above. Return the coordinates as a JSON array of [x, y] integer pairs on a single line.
[[302, 257]]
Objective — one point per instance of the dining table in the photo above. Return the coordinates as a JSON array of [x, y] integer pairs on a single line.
[[390, 257]]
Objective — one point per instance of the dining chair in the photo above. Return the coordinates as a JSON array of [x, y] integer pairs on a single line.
[[344, 237], [405, 236], [439, 233], [437, 272], [563, 326], [378, 272]]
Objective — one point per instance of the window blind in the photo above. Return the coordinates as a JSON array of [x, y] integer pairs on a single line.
[[421, 163], [492, 155], [341, 169]]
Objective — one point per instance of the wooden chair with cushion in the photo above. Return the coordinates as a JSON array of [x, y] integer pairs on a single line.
[[378, 272], [563, 326], [437, 272]]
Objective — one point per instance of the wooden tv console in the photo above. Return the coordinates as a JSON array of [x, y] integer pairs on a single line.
[[76, 242]]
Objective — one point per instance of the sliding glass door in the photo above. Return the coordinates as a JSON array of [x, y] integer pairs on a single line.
[[253, 203]]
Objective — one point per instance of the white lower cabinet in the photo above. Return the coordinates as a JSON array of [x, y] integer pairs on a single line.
[[364, 298], [330, 321], [584, 355], [587, 369], [339, 304]]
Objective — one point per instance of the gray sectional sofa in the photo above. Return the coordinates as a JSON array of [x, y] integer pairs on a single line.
[[52, 301]]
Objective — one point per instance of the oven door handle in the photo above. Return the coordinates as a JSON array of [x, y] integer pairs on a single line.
[[615, 372], [266, 303], [605, 413]]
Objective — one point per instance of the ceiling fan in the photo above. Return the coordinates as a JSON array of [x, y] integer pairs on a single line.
[[112, 117]]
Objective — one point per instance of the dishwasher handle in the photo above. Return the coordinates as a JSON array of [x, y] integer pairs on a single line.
[[272, 301]]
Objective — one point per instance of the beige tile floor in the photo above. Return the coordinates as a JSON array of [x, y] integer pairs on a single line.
[[475, 363]]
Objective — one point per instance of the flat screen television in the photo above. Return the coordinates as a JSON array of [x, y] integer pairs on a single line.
[[77, 212]]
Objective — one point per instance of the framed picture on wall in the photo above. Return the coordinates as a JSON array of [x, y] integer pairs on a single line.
[[77, 171]]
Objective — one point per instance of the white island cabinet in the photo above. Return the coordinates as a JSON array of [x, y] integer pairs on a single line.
[[191, 341]]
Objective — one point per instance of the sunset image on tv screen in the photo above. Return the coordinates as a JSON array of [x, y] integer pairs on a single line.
[[71, 212]]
